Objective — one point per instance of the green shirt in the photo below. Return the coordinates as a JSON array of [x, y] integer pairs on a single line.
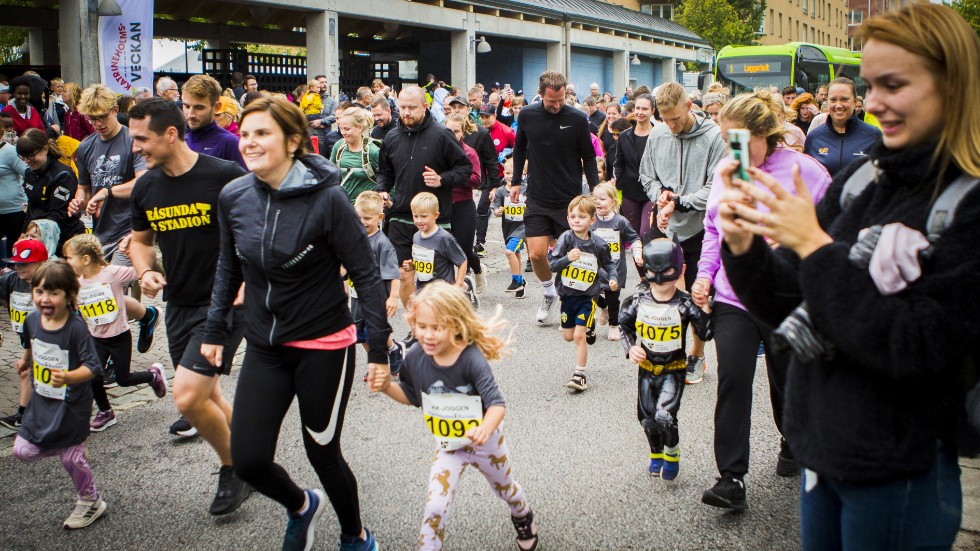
[[353, 177]]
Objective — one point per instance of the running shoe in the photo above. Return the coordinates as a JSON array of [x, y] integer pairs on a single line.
[[514, 286], [231, 492], [354, 543], [102, 421], [520, 293], [695, 370], [613, 334], [85, 513], [481, 282], [396, 354], [145, 339], [786, 464], [672, 464], [656, 464], [590, 335], [577, 382], [548, 304], [181, 427], [300, 527], [603, 317], [527, 266], [159, 382], [727, 493], [109, 376], [12, 422], [527, 531], [762, 351], [471, 293], [480, 250]]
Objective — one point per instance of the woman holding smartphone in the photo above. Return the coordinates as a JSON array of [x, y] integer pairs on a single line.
[[737, 332]]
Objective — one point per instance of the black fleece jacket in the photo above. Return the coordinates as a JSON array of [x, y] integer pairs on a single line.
[[49, 191], [875, 411], [629, 151], [287, 245]]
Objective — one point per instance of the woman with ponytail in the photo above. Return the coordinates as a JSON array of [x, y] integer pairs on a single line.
[[50, 185]]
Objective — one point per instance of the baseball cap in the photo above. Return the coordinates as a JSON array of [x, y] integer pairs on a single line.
[[487, 109], [459, 100], [28, 251], [4, 88]]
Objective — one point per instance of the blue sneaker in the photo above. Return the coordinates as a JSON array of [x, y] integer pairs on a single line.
[[354, 543], [656, 464], [300, 528], [672, 464], [761, 353], [145, 338]]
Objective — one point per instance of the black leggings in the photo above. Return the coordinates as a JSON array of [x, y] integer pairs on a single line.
[[116, 352], [483, 214], [10, 227], [658, 399], [269, 380], [609, 299], [463, 226], [737, 336]]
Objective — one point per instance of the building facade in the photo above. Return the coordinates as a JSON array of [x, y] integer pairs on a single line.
[[859, 10]]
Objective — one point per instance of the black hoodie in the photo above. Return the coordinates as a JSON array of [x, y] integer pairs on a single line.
[[287, 245]]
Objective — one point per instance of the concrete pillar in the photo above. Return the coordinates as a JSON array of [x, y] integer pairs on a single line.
[[463, 59], [556, 55], [79, 48], [621, 70], [36, 44], [669, 71], [322, 52], [567, 41]]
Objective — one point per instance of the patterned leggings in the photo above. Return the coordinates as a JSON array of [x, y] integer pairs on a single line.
[[447, 468], [72, 459]]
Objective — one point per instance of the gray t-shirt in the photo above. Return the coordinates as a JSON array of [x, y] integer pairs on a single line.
[[59, 422], [585, 275], [383, 253], [512, 221], [470, 375], [436, 257], [618, 234], [104, 164]]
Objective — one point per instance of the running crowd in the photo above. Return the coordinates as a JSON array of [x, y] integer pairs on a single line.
[[827, 232]]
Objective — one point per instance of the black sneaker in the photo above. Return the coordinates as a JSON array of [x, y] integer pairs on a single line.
[[590, 335], [527, 266], [514, 286], [786, 464], [12, 422], [231, 492], [577, 382], [181, 427], [471, 293], [109, 376], [145, 339], [519, 293], [527, 531], [480, 250], [396, 354], [727, 493]]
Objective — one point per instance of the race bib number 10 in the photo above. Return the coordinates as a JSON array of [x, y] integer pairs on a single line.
[[581, 274], [659, 327], [48, 359], [449, 416], [424, 261], [21, 304], [97, 304], [514, 211]]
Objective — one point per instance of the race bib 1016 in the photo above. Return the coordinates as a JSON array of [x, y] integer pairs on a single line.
[[581, 274], [449, 416]]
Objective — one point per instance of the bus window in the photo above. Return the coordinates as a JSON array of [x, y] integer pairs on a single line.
[[745, 74], [852, 72], [812, 64]]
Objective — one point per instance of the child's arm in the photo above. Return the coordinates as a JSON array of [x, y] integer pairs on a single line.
[[627, 322], [700, 320], [73, 377], [380, 381], [612, 270], [24, 363], [392, 303], [461, 275], [557, 260], [491, 420]]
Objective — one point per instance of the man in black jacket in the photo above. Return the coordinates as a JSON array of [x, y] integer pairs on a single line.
[[555, 142], [419, 155]]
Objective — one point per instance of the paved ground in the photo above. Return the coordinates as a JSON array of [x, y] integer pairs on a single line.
[[581, 458]]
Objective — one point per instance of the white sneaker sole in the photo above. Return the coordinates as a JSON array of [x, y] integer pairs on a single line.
[[85, 522], [103, 427]]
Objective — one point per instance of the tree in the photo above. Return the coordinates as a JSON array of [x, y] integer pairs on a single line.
[[718, 22], [970, 10], [10, 40]]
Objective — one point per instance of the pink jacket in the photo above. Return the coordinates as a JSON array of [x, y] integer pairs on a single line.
[[465, 193]]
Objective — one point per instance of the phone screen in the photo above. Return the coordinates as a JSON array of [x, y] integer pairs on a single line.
[[738, 149]]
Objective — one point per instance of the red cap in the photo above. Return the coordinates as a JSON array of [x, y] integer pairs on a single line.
[[28, 251]]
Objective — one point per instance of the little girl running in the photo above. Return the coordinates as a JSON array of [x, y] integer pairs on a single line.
[[101, 301], [446, 374], [63, 359], [616, 231]]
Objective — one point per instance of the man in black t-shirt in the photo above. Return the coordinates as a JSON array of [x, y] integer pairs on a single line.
[[174, 205]]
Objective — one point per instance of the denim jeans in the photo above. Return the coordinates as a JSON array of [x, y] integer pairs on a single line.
[[912, 513]]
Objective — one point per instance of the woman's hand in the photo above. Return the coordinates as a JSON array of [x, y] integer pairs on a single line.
[[792, 219], [379, 377], [737, 238]]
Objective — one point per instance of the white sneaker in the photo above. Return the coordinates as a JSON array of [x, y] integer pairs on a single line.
[[481, 282], [603, 318], [85, 513], [614, 334], [471, 293], [547, 308]]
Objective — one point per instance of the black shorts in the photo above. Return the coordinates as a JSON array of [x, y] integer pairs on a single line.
[[542, 221], [185, 334], [692, 255], [401, 235], [577, 310]]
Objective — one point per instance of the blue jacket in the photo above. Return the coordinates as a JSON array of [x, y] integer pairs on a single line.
[[835, 151]]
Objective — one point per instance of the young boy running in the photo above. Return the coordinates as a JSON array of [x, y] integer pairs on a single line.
[[578, 257], [512, 226], [435, 252]]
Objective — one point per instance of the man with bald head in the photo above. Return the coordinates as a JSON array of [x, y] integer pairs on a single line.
[[418, 155]]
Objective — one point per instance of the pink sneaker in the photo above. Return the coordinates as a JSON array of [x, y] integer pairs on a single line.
[[103, 420], [159, 382]]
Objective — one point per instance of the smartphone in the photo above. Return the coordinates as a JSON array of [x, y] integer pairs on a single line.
[[738, 149], [506, 86]]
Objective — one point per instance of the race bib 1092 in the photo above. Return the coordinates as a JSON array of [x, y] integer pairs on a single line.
[[449, 416]]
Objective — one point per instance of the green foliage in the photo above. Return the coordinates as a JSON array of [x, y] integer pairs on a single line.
[[970, 10], [10, 40], [721, 23], [280, 50]]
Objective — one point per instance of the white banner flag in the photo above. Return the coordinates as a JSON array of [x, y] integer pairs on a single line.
[[126, 47]]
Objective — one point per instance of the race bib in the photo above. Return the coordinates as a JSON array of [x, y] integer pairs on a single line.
[[97, 304], [514, 211], [611, 237], [424, 261], [21, 304], [449, 416], [659, 327], [353, 291], [48, 359], [581, 274]]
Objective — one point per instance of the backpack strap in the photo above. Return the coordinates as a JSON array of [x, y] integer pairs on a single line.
[[859, 181], [943, 210], [366, 159]]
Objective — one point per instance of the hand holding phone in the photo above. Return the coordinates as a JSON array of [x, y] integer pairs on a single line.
[[738, 149]]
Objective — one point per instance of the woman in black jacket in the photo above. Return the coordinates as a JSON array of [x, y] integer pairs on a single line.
[[49, 184], [874, 417], [286, 229], [636, 205]]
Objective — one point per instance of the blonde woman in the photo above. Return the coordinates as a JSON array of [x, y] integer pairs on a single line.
[[357, 154]]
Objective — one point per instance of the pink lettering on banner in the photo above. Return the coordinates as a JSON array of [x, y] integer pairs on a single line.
[[118, 54]]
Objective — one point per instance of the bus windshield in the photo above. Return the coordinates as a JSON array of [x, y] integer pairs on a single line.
[[746, 73]]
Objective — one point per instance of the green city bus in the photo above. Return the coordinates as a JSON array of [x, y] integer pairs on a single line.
[[807, 66]]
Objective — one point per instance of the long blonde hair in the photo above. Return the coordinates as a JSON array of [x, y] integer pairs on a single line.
[[760, 113], [951, 51], [452, 309]]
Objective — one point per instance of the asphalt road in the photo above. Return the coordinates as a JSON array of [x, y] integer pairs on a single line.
[[581, 458]]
